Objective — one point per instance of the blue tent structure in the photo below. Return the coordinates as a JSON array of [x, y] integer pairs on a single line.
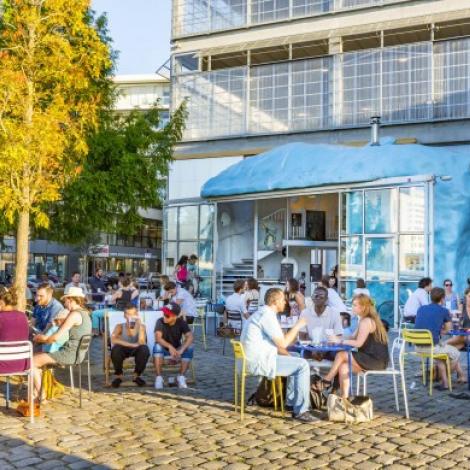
[[301, 165]]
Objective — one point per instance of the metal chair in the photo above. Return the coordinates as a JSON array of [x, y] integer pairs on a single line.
[[240, 372], [398, 345], [14, 351], [83, 349], [423, 339], [233, 327], [402, 323], [200, 320]]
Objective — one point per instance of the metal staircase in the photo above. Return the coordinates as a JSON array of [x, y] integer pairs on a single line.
[[230, 274]]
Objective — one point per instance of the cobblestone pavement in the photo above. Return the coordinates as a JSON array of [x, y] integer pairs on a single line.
[[197, 428]]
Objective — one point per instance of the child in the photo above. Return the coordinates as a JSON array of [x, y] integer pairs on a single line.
[[56, 323]]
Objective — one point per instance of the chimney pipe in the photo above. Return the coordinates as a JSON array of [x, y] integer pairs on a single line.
[[374, 128]]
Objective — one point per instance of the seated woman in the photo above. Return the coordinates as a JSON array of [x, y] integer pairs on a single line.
[[371, 342], [125, 295], [251, 296], [76, 325], [129, 340], [459, 341], [295, 299], [13, 327]]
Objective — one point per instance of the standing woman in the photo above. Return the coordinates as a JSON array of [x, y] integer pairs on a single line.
[[459, 341], [294, 298], [77, 324], [371, 342], [13, 327], [452, 298], [181, 272]]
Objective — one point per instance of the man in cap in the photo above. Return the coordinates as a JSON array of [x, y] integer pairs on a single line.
[[169, 333]]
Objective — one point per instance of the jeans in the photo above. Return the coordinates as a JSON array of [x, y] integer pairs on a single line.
[[160, 351], [119, 353], [297, 371]]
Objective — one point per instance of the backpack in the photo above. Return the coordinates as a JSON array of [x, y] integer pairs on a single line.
[[264, 393]]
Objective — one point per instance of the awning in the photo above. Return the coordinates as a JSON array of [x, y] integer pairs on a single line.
[[301, 165]]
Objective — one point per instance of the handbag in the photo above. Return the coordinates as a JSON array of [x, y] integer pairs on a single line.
[[23, 408], [344, 410], [51, 387]]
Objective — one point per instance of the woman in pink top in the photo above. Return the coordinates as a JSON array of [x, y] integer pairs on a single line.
[[181, 271], [13, 327]]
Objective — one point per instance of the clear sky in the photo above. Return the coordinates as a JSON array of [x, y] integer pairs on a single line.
[[140, 30]]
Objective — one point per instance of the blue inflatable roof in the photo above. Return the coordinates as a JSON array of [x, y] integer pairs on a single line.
[[301, 165]]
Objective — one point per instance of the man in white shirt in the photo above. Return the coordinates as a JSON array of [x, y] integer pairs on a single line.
[[266, 353], [321, 317], [334, 300], [75, 282], [236, 301], [417, 299], [183, 298]]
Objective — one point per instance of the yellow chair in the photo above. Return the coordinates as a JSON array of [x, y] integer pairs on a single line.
[[423, 338], [240, 372]]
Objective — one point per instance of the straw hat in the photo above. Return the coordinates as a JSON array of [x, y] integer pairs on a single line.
[[74, 292]]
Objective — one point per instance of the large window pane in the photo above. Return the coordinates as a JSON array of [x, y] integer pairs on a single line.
[[269, 10], [405, 291], [170, 258], [227, 13], [379, 259], [383, 295], [412, 209], [205, 287], [351, 208], [188, 222], [380, 211], [187, 248], [206, 261], [412, 250], [171, 214], [206, 222], [351, 257]]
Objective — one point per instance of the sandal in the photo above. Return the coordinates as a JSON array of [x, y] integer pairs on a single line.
[[321, 385]]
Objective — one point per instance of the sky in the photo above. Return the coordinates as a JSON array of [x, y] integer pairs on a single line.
[[140, 30]]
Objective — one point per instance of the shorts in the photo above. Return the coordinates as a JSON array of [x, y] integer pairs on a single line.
[[160, 351], [451, 351]]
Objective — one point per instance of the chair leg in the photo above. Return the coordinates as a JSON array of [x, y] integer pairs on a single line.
[[431, 375], [281, 394], [7, 398], [89, 374], [358, 384], [80, 384], [203, 328], [235, 388], [223, 349], [242, 397], [364, 388], [193, 372], [423, 371], [30, 396], [71, 379], [395, 390], [449, 373], [273, 389]]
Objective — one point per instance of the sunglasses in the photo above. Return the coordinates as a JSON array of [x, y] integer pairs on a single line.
[[447, 285]]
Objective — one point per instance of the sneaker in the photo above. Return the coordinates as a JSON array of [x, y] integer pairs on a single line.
[[181, 381], [305, 417], [116, 383], [159, 382], [139, 381]]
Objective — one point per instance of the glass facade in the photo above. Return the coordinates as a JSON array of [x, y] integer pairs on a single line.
[[192, 17], [408, 83], [383, 240], [190, 230]]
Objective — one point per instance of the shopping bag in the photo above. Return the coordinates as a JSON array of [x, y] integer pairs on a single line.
[[51, 387], [344, 410]]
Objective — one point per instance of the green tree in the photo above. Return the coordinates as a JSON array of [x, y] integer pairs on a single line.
[[54, 81]]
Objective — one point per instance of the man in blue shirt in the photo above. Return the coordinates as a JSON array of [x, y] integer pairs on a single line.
[[46, 308], [266, 353], [435, 318]]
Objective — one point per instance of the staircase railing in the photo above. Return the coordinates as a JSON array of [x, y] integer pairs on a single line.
[[277, 218]]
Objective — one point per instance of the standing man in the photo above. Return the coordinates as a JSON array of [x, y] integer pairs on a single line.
[[46, 307], [266, 353], [98, 287], [75, 282], [417, 299], [193, 281], [183, 298]]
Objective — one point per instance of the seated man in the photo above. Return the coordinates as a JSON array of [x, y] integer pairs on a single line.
[[435, 318], [129, 340], [266, 353], [75, 282], [46, 308], [183, 298], [417, 299], [323, 318], [169, 332], [236, 303]]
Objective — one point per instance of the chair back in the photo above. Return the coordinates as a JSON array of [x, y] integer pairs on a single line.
[[252, 307], [238, 351], [234, 319], [83, 347], [150, 319], [16, 350], [115, 317], [418, 337], [398, 347]]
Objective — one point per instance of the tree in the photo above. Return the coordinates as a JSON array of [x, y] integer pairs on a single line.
[[54, 81], [125, 170]]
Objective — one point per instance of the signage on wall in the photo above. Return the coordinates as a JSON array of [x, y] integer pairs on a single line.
[[287, 271], [100, 251], [315, 272]]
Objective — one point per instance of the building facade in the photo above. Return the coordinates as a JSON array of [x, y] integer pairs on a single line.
[[138, 254], [260, 74]]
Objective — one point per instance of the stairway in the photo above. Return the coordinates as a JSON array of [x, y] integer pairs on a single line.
[[230, 274]]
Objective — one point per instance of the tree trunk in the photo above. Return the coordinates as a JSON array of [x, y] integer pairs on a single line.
[[22, 257]]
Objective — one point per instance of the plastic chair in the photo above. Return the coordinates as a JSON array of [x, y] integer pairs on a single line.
[[240, 373], [233, 328], [423, 338], [14, 351], [398, 345]]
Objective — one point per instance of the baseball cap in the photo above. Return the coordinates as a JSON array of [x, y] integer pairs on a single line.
[[171, 309]]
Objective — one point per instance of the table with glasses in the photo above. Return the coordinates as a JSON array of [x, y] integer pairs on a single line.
[[324, 347], [466, 334]]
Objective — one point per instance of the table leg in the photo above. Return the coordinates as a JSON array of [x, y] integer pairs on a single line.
[[350, 373], [468, 362]]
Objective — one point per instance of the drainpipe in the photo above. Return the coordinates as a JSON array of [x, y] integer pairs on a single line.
[[374, 129]]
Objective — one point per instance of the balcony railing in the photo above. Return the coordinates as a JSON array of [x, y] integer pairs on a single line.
[[409, 83], [191, 17]]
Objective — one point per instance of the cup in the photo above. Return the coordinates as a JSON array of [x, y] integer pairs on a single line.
[[316, 335]]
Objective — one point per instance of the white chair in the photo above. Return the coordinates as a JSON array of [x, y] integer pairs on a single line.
[[200, 320], [14, 351], [150, 320], [402, 323], [398, 345]]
